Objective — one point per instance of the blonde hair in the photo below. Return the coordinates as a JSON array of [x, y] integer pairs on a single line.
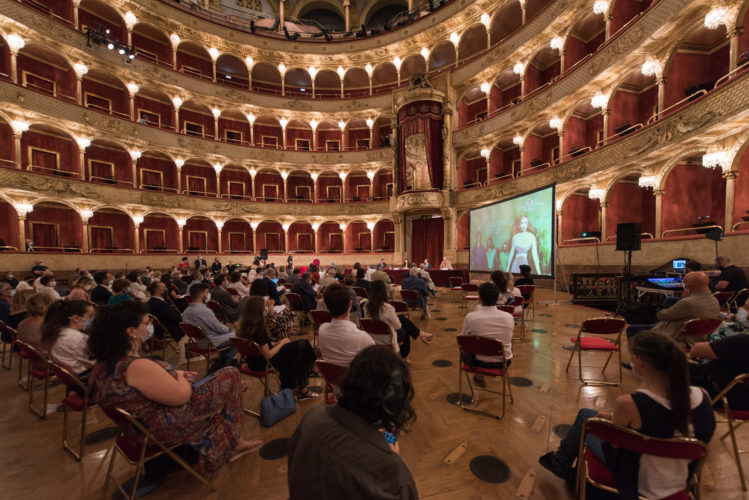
[[37, 304], [20, 298]]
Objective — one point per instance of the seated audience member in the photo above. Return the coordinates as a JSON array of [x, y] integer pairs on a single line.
[[304, 289], [183, 266], [361, 282], [488, 321], [198, 314], [268, 277], [728, 357], [348, 280], [445, 264], [10, 279], [295, 276], [18, 307], [195, 278], [414, 282], [178, 280], [329, 277], [81, 290], [379, 274], [166, 314], [120, 292], [340, 340], [146, 276], [100, 294], [38, 268], [525, 277], [63, 337], [38, 281], [730, 278], [200, 263], [665, 406], [47, 286], [236, 284], [423, 274], [137, 289], [176, 298], [507, 292], [227, 303], [294, 360], [30, 329], [402, 328], [280, 324], [314, 270], [383, 263], [741, 317], [696, 302], [426, 264], [216, 266], [207, 417], [340, 451], [5, 300]]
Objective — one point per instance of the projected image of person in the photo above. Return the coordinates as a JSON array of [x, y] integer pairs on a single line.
[[524, 240], [478, 253], [492, 255]]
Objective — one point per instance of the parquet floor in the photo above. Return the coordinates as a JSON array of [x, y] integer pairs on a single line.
[[34, 465]]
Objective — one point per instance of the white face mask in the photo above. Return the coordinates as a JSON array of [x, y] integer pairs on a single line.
[[742, 316], [53, 284], [150, 332], [208, 297]]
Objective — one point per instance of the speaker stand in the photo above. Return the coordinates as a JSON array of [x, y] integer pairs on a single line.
[[625, 296], [556, 301]]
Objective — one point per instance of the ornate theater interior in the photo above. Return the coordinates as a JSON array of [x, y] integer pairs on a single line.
[[138, 132]]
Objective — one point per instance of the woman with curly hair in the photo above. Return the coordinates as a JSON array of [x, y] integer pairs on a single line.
[[350, 450], [206, 415], [524, 240]]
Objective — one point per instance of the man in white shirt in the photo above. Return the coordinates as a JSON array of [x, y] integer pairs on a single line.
[[488, 321], [341, 340], [47, 287]]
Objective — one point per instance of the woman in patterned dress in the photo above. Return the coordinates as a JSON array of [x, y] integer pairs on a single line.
[[206, 415]]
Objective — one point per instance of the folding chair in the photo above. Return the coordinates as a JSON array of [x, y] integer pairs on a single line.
[[218, 311], [37, 369], [250, 350], [739, 299], [196, 337], [518, 317], [527, 292], [455, 289], [378, 330], [234, 294], [482, 346], [332, 375], [360, 292], [319, 316], [724, 299], [8, 337], [591, 470], [138, 445], [400, 307], [288, 286], [733, 416], [72, 401], [161, 338], [281, 281], [698, 330], [297, 305], [598, 326], [470, 292]]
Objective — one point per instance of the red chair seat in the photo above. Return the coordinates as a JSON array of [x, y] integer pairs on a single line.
[[598, 471], [246, 370], [595, 344], [492, 372], [74, 402], [457, 288], [38, 374], [197, 349], [735, 414], [471, 297]]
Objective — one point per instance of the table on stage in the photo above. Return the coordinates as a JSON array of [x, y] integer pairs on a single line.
[[439, 277]]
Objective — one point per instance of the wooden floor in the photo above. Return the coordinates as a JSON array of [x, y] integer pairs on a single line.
[[34, 465]]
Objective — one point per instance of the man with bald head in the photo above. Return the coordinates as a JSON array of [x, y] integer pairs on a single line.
[[730, 278], [696, 302]]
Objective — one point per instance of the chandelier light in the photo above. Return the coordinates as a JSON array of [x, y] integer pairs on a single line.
[[518, 68], [250, 118], [715, 159], [86, 214], [174, 37], [651, 67], [250, 62], [397, 62], [80, 70], [138, 220], [341, 125], [19, 126], [314, 176], [343, 226], [370, 123], [517, 140], [216, 113], [557, 43], [486, 153], [599, 101], [218, 168], [340, 71], [213, 52], [485, 20], [425, 53], [83, 143], [219, 224], [181, 223], [556, 123], [601, 7], [596, 193], [15, 43], [135, 155], [370, 225], [177, 101], [282, 68], [133, 88], [647, 181], [130, 20], [370, 174], [285, 227], [454, 38], [179, 162], [342, 175], [315, 226], [312, 72], [254, 225], [284, 174], [368, 68], [23, 209], [717, 17], [283, 122], [485, 87], [313, 124]]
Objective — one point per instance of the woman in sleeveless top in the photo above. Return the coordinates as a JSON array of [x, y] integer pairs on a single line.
[[665, 406], [207, 415], [524, 240]]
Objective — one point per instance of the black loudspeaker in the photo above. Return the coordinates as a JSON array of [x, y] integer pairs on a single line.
[[715, 234], [264, 253], [628, 236]]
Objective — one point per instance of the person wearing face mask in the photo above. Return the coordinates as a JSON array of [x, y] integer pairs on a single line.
[[120, 292], [63, 337], [30, 329], [100, 294], [48, 285], [198, 313], [81, 290], [10, 279], [206, 416], [665, 406]]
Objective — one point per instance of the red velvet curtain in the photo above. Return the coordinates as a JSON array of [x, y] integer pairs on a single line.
[[390, 241], [365, 241], [304, 241], [421, 117], [336, 242], [101, 237], [427, 239], [155, 239], [272, 241], [236, 242], [196, 185], [152, 179], [198, 241], [45, 235]]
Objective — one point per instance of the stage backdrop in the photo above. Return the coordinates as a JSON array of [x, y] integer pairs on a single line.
[[509, 233], [427, 238]]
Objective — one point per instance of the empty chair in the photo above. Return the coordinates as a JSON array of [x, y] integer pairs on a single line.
[[332, 374], [602, 327], [470, 293], [76, 399], [482, 346], [734, 418], [455, 289]]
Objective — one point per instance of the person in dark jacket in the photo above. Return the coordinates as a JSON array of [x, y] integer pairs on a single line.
[[165, 313], [227, 303], [101, 294], [304, 289], [350, 450]]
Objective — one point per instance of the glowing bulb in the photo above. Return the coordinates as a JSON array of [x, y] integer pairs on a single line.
[[717, 17], [19, 126], [647, 181], [596, 193], [425, 53], [370, 175], [397, 62], [716, 159], [517, 140], [218, 167], [314, 176], [216, 112], [370, 225], [486, 153], [315, 226], [250, 62], [312, 72], [313, 123], [651, 67], [518, 68], [601, 7], [219, 224], [286, 226], [251, 118], [132, 88], [254, 225], [177, 101], [557, 43], [370, 122], [599, 101], [343, 226], [138, 220], [284, 174], [181, 223], [83, 143], [341, 125], [368, 68], [135, 155], [485, 87], [282, 68], [556, 123], [86, 214], [130, 20], [23, 209], [342, 175], [454, 38], [213, 52], [80, 70], [485, 20], [283, 122], [340, 72], [15, 43], [179, 162], [174, 37]]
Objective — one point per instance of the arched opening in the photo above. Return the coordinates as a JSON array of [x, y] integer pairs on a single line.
[[108, 162], [236, 237], [200, 235], [628, 202], [383, 237], [382, 132], [159, 234], [299, 135], [111, 230], [384, 78], [231, 70], [382, 185], [105, 93], [157, 172], [54, 227], [7, 143], [584, 39], [269, 186], [267, 132], [383, 14], [300, 186], [331, 237], [266, 79], [472, 170], [473, 107], [472, 43], [508, 19], [46, 72], [541, 149], [358, 237], [411, 66], [49, 150], [301, 238], [580, 215], [4, 58], [323, 15], [355, 83], [357, 135], [632, 104], [357, 187], [505, 91], [504, 161], [233, 127], [154, 108], [542, 70], [100, 16], [196, 119], [329, 136], [193, 59], [198, 178], [692, 195], [327, 85], [441, 57], [741, 192], [271, 236], [9, 233], [623, 11], [298, 83], [152, 44], [583, 131], [236, 183], [329, 187]]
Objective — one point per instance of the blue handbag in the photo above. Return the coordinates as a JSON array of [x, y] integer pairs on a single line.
[[276, 407]]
